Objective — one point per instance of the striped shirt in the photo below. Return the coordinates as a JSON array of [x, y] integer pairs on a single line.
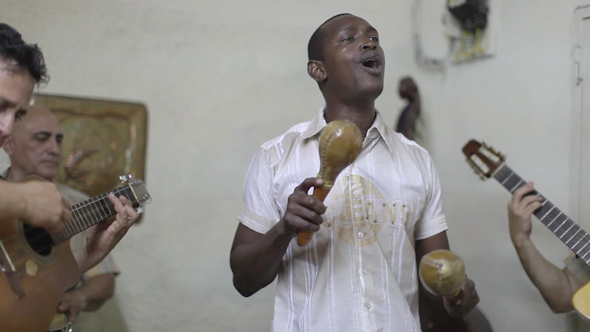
[[359, 272]]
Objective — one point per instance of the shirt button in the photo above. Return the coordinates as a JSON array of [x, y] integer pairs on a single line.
[[368, 306], [360, 234]]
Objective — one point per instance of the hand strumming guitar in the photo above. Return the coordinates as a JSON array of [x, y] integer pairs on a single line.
[[36, 203]]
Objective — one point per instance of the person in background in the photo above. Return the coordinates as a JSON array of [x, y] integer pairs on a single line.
[[35, 148], [406, 123]]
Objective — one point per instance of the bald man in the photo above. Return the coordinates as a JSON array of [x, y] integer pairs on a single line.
[[35, 148]]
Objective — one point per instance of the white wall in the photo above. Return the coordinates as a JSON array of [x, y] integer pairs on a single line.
[[221, 77]]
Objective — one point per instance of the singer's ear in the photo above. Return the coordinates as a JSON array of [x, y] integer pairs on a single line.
[[316, 70]]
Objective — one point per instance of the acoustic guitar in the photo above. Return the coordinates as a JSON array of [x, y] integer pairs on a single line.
[[487, 163], [37, 267]]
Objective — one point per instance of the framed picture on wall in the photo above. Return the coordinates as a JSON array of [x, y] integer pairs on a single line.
[[103, 139]]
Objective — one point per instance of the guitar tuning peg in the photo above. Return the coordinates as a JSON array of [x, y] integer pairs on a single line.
[[125, 178]]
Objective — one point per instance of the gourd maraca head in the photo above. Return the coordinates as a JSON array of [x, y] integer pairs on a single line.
[[442, 273], [340, 143]]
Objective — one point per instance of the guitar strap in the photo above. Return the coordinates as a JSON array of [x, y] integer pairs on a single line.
[[8, 268]]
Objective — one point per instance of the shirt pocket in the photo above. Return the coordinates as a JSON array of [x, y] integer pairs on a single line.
[[395, 236]]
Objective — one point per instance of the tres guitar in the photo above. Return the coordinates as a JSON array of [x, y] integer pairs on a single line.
[[38, 267], [489, 163]]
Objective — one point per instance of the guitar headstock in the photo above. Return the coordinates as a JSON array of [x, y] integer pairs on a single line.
[[483, 159], [140, 192]]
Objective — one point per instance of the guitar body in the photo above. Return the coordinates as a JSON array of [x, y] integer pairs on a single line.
[[581, 301], [44, 278], [38, 267]]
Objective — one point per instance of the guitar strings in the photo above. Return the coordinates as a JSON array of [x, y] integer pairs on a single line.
[[85, 204], [511, 180], [88, 204]]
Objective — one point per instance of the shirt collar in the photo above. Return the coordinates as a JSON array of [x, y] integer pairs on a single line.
[[378, 129], [4, 174], [316, 125]]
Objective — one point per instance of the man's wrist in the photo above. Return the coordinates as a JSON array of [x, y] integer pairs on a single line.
[[80, 293], [285, 231], [521, 242], [18, 200], [81, 257]]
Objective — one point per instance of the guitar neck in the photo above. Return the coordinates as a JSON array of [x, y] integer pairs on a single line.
[[90, 212], [558, 222]]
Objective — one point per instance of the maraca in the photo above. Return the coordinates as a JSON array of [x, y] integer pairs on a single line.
[[340, 143], [442, 273]]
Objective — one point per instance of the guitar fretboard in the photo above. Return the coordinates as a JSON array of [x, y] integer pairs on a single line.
[[561, 225], [89, 212]]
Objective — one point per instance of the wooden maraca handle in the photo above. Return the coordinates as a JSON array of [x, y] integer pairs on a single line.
[[303, 235]]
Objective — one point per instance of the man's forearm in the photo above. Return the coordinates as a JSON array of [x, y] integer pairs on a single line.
[[255, 264], [12, 204], [96, 291], [555, 286]]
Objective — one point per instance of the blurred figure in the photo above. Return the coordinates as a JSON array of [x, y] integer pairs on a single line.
[[406, 123], [35, 148]]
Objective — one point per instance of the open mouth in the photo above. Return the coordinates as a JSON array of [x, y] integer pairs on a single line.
[[372, 63]]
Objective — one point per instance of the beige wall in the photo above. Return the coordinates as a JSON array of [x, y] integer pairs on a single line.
[[221, 77]]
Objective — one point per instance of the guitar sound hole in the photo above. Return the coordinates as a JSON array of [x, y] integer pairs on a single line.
[[38, 239]]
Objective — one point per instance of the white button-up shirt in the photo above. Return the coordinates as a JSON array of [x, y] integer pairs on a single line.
[[359, 272]]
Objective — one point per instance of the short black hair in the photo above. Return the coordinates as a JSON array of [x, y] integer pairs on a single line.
[[315, 47], [26, 56]]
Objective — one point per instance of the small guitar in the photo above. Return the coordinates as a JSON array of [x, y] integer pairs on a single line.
[[38, 267], [489, 163]]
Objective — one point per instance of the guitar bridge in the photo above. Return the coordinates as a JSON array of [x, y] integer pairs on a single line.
[[10, 272]]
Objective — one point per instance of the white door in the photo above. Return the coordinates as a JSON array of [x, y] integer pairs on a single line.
[[580, 194]]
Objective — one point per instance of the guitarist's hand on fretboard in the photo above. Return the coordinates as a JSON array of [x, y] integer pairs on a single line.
[[556, 285], [520, 211], [103, 237]]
